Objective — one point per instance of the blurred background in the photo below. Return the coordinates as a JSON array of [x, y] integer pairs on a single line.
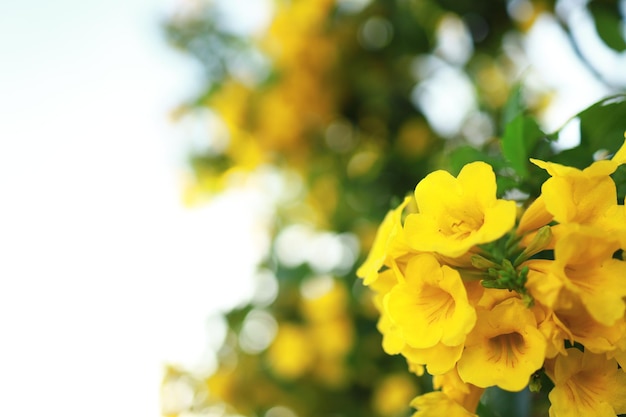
[[105, 274], [187, 187]]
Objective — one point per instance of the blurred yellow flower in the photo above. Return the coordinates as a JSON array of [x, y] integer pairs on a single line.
[[393, 394], [457, 213], [327, 305], [586, 384], [292, 353], [333, 338]]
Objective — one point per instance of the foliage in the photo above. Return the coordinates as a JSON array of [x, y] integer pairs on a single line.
[[338, 98]]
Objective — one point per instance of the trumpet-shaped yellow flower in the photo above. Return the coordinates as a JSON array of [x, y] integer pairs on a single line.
[[457, 213], [584, 269], [431, 305], [586, 384], [438, 404], [388, 242], [504, 348], [581, 196]]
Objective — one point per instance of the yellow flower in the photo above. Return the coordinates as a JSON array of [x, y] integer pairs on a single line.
[[388, 242], [457, 213], [431, 305], [584, 269], [586, 384], [504, 348], [438, 404], [580, 196]]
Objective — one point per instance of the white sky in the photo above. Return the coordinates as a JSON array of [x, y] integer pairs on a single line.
[[104, 276]]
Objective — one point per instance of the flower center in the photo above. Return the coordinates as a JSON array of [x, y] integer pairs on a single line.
[[435, 304], [462, 223], [507, 347]]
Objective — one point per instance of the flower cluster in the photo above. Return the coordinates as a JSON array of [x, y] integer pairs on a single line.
[[482, 292]]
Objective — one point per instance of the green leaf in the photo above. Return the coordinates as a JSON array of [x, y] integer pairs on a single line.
[[602, 125], [519, 139], [579, 157], [607, 20]]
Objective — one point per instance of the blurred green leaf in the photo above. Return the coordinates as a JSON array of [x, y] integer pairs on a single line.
[[514, 106], [602, 125], [607, 20], [520, 137]]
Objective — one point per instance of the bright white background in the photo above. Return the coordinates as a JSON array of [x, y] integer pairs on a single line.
[[104, 276]]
